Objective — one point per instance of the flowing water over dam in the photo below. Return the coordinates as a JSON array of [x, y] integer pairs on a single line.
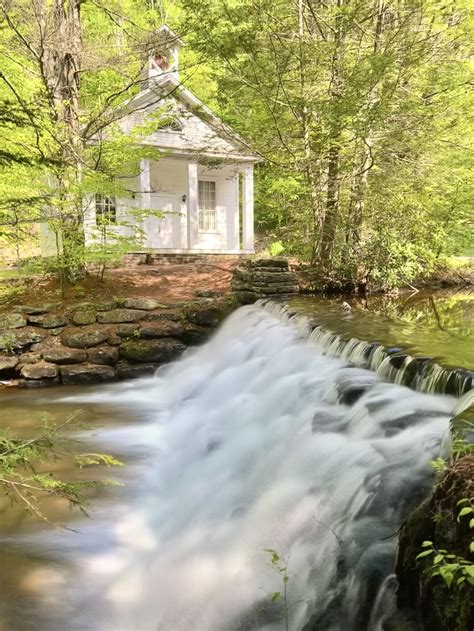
[[255, 441]]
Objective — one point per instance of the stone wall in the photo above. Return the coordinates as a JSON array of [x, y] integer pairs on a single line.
[[96, 342], [262, 278]]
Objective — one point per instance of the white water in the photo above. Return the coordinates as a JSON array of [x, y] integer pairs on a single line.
[[248, 446]]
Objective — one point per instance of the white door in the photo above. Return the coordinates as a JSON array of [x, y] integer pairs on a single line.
[[163, 232]]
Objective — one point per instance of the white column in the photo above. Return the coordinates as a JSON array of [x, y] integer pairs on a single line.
[[247, 209], [145, 195], [233, 232], [192, 204]]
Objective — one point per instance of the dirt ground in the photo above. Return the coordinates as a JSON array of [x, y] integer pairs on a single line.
[[168, 283]]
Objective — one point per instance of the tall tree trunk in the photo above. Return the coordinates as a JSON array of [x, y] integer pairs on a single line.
[[61, 52], [331, 217], [365, 163]]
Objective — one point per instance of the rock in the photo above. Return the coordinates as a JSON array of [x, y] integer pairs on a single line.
[[194, 334], [121, 315], [132, 371], [114, 340], [64, 355], [41, 370], [86, 373], [56, 331], [205, 316], [105, 355], [84, 338], [28, 310], [271, 262], [161, 329], [12, 321], [127, 330], [37, 383], [29, 358], [7, 365], [169, 315], [207, 293], [83, 316], [147, 304], [49, 320], [106, 305], [246, 297], [161, 351], [19, 340]]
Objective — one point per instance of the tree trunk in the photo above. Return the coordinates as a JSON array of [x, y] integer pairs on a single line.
[[60, 62]]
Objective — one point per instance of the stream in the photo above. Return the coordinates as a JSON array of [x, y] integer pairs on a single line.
[[256, 441]]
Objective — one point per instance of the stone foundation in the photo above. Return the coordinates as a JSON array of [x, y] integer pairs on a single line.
[[262, 278], [97, 342]]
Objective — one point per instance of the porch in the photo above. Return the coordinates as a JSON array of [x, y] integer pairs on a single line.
[[197, 208]]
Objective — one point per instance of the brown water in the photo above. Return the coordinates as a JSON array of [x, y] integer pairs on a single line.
[[42, 571], [438, 325]]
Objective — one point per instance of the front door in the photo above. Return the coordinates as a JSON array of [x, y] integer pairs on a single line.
[[163, 232]]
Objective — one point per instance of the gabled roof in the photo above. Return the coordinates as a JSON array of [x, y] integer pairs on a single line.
[[203, 134]]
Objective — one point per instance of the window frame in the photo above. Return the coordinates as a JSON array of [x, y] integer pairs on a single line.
[[105, 210], [214, 210]]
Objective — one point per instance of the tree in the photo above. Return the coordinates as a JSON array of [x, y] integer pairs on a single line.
[[352, 96], [63, 90]]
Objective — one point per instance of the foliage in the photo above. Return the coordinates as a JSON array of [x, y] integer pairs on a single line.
[[21, 459], [280, 566], [452, 568], [361, 113]]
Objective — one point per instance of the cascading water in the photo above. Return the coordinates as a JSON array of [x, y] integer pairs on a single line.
[[255, 440]]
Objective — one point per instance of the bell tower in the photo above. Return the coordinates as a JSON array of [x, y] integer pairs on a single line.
[[163, 62]]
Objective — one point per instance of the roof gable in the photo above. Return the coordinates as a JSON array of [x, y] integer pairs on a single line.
[[202, 132]]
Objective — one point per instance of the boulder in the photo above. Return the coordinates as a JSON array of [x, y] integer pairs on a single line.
[[147, 304], [12, 321], [160, 351], [19, 340], [48, 320], [105, 355], [37, 383], [168, 315], [86, 373], [132, 371], [163, 328], [205, 316], [83, 316], [29, 358], [64, 355], [84, 338], [56, 331], [270, 262], [29, 310], [7, 365], [41, 370], [127, 330], [207, 293], [103, 305], [194, 334], [121, 315]]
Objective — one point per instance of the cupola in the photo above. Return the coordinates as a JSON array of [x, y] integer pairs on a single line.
[[163, 61]]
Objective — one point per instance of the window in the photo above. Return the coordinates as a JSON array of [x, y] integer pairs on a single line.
[[170, 124], [105, 210], [207, 206]]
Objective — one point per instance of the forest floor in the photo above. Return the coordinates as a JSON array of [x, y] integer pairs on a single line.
[[169, 284]]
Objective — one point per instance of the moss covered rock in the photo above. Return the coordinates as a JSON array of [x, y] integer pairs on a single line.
[[158, 351]]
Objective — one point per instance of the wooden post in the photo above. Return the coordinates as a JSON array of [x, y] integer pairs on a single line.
[[192, 205], [247, 209]]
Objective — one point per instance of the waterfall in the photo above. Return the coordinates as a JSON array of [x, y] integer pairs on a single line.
[[391, 364], [266, 437]]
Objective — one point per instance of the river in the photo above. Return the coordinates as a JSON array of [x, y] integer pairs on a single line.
[[258, 440]]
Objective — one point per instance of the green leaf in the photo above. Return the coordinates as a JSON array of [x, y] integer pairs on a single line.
[[276, 597], [424, 554], [438, 558], [426, 544], [471, 546], [467, 510]]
